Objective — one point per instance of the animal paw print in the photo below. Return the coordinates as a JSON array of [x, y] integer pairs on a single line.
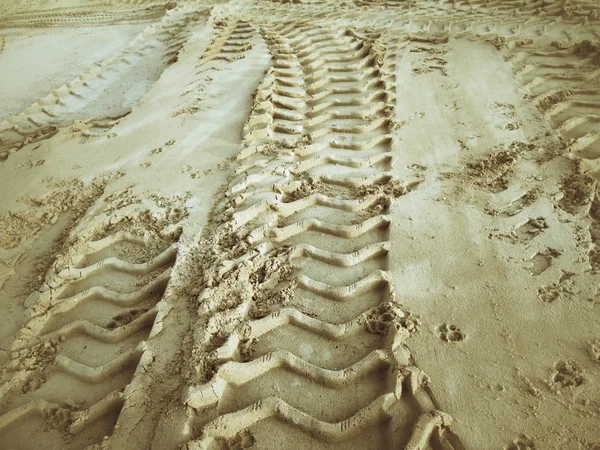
[[451, 333], [511, 126], [523, 442], [381, 318], [549, 293], [567, 374]]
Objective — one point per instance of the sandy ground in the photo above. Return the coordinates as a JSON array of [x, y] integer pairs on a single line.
[[317, 224], [49, 59]]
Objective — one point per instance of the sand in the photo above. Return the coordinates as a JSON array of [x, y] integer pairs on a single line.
[[298, 225]]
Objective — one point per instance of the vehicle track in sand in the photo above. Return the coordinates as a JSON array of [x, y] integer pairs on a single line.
[[563, 83], [298, 338], [80, 17], [106, 86], [561, 79], [77, 356], [312, 182]]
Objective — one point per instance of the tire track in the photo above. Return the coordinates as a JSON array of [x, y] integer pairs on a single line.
[[230, 43], [299, 322], [564, 84], [231, 40], [499, 22], [84, 342], [80, 17], [312, 188], [88, 95], [594, 230]]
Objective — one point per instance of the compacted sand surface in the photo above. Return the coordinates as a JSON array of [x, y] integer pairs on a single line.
[[300, 225]]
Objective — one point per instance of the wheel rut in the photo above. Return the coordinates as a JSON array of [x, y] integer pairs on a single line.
[[84, 339], [311, 189]]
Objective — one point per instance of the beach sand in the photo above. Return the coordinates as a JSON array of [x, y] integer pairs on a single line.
[[300, 225]]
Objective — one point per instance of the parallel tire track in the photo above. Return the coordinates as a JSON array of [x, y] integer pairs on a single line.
[[80, 17], [104, 294], [565, 84], [70, 101], [318, 145], [563, 81]]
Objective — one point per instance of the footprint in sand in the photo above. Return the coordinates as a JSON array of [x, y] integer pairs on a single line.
[[451, 333], [549, 293], [523, 442], [567, 374]]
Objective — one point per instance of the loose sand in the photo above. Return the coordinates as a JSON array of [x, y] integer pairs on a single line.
[[298, 225]]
